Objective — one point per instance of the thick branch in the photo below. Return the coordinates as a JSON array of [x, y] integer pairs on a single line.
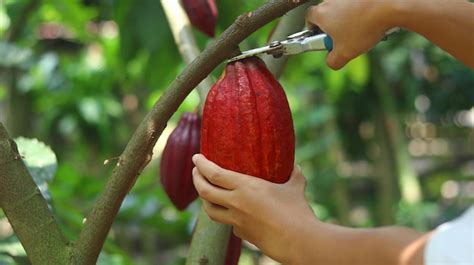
[[138, 151], [27, 210]]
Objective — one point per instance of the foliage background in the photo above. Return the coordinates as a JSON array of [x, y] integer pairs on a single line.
[[79, 75]]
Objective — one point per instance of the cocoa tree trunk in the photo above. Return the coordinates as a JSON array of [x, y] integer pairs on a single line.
[[408, 181]]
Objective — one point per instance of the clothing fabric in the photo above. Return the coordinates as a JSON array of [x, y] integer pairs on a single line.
[[452, 243]]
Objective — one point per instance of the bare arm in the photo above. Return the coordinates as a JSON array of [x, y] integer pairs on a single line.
[[277, 219], [332, 244], [357, 26]]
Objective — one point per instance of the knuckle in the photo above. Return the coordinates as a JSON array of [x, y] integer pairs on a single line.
[[215, 175], [237, 221], [213, 217], [237, 232], [204, 192], [236, 204]]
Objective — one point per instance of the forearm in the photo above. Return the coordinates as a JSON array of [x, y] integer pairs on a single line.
[[447, 23], [332, 244]]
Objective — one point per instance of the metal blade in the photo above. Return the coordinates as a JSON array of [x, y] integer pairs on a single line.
[[250, 53]]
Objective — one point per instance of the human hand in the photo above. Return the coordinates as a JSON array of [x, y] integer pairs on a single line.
[[271, 216], [354, 26]]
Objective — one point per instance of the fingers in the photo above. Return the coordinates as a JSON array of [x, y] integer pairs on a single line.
[[218, 213], [209, 192], [311, 17], [215, 174], [335, 60]]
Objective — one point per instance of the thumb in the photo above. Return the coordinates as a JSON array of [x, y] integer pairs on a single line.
[[297, 178], [335, 60]]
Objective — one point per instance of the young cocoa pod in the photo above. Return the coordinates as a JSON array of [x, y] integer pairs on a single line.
[[176, 161], [247, 124], [233, 250], [202, 14]]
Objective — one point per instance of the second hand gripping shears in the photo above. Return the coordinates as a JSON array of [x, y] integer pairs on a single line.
[[303, 41]]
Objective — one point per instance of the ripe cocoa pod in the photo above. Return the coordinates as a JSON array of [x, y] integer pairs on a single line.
[[233, 250], [202, 14], [247, 124], [176, 161]]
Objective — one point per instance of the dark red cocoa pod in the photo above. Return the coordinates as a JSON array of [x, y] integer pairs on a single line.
[[176, 161], [233, 250], [202, 14], [247, 125]]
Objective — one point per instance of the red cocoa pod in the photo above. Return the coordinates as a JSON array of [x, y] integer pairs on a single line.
[[176, 161], [233, 250], [247, 124], [202, 14]]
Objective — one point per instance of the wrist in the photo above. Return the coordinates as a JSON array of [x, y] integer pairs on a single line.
[[401, 13], [304, 240], [393, 13]]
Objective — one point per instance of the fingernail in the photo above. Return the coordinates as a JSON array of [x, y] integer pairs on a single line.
[[194, 158]]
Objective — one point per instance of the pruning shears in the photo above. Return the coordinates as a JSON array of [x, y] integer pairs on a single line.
[[303, 41]]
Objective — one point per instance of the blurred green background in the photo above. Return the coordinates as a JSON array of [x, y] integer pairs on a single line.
[[389, 139]]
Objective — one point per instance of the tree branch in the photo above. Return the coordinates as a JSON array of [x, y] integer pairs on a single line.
[[137, 153], [27, 210], [184, 38]]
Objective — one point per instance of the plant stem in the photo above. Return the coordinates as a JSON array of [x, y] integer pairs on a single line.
[[210, 239], [408, 182], [27, 210], [209, 244], [184, 38], [138, 152]]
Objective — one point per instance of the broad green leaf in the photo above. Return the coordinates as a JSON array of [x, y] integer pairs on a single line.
[[12, 248], [40, 161]]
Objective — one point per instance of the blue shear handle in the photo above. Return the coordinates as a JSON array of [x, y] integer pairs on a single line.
[[328, 43]]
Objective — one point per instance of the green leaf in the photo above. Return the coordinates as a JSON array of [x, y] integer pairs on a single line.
[[6, 260], [12, 252], [72, 13], [358, 71], [3, 91], [12, 55], [40, 161], [12, 248]]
